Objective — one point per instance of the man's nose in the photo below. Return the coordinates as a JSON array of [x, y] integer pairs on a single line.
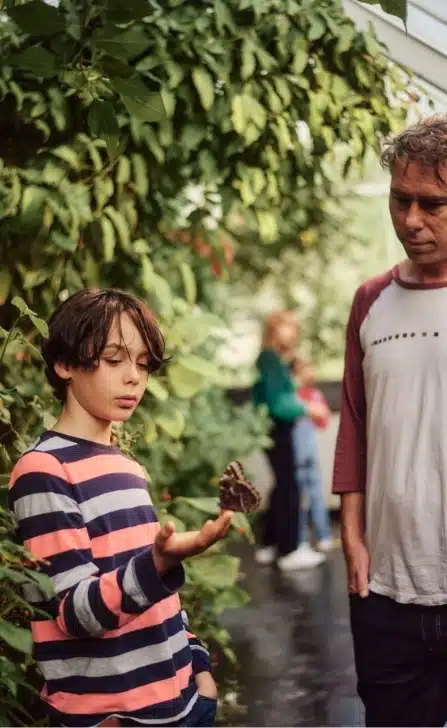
[[415, 216]]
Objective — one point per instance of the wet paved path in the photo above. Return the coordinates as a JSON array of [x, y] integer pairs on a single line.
[[294, 647]]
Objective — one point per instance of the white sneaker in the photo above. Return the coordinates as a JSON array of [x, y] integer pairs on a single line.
[[326, 545], [302, 558], [265, 556]]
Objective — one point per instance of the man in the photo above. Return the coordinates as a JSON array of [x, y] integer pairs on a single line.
[[391, 456]]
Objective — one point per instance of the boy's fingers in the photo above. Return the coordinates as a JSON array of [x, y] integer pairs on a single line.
[[213, 531], [165, 532]]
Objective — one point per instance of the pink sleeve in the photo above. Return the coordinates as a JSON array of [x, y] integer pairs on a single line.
[[350, 452]]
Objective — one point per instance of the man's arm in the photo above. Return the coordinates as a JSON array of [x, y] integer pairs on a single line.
[[353, 539], [87, 603], [350, 455]]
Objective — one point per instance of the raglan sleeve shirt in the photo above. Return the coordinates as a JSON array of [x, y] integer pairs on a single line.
[[86, 603]]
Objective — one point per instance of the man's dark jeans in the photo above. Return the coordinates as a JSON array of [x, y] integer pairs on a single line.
[[401, 661]]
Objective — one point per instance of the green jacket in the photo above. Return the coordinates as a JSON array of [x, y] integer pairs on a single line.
[[276, 389]]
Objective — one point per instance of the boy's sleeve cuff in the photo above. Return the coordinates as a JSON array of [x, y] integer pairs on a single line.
[[201, 660], [154, 586]]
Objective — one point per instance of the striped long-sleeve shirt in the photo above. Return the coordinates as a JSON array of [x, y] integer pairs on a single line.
[[117, 642]]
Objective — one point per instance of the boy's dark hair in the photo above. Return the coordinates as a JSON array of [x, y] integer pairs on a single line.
[[79, 328]]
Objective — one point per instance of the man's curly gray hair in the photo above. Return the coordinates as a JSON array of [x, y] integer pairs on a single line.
[[424, 143]]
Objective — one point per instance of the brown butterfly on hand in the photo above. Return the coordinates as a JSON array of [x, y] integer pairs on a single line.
[[236, 492]]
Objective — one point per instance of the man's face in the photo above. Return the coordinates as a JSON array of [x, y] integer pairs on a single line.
[[418, 207], [113, 390]]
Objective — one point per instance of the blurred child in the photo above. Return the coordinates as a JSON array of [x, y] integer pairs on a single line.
[[275, 389], [308, 473]]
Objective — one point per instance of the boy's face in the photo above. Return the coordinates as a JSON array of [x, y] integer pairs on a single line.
[[113, 390]]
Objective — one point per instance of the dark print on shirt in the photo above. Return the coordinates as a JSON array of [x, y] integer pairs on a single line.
[[405, 335]]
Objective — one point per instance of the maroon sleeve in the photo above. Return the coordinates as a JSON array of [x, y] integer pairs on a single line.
[[350, 451]]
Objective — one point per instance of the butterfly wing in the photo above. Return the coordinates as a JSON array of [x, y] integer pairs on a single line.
[[236, 492]]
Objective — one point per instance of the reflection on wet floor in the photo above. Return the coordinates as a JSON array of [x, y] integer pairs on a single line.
[[294, 647]]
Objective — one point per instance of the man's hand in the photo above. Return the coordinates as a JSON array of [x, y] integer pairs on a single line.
[[357, 564], [206, 685], [170, 548]]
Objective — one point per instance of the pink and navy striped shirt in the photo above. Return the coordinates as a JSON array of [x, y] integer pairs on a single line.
[[116, 642]]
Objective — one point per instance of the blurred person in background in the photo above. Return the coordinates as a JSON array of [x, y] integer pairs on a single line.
[[307, 460], [275, 389], [391, 455]]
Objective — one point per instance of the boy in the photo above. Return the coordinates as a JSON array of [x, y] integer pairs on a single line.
[[115, 650], [307, 460]]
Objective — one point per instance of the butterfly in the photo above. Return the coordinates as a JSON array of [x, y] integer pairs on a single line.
[[236, 492]]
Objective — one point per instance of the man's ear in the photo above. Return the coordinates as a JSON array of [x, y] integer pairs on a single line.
[[63, 371]]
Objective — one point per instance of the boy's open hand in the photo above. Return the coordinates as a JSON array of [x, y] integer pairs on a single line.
[[170, 548]]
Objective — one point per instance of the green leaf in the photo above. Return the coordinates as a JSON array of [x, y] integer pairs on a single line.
[[103, 123], [140, 175], [393, 7], [16, 637], [223, 16], [233, 598], [157, 390], [123, 171], [37, 18], [108, 239], [147, 273], [238, 115], [205, 87], [192, 135], [173, 424], [118, 11], [268, 227], [35, 60], [121, 226], [162, 291], [241, 523], [63, 241], [41, 326], [300, 57], [184, 382], [150, 432], [168, 102], [68, 155], [5, 285], [19, 303], [43, 581], [126, 44], [219, 571], [317, 27], [346, 36], [202, 367], [248, 60], [138, 100], [189, 282]]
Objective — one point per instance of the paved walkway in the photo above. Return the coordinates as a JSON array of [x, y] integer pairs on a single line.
[[294, 647]]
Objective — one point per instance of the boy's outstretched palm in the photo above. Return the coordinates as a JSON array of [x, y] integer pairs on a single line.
[[170, 547]]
